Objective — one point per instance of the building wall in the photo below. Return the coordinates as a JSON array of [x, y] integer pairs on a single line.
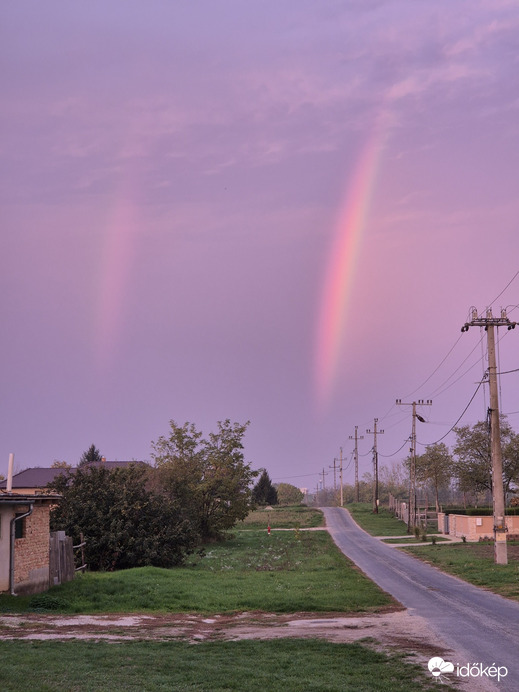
[[6, 514], [31, 561], [474, 528]]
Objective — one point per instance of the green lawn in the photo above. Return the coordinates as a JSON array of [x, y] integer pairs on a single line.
[[474, 562], [381, 524], [268, 666], [297, 516], [288, 571]]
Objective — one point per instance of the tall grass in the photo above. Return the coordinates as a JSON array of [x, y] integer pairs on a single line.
[[282, 573]]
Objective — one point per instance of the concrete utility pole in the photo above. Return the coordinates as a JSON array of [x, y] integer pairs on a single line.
[[498, 493], [375, 432], [323, 474], [340, 480], [334, 467], [356, 457], [411, 516]]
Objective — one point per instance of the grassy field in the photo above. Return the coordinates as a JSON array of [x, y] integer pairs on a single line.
[[269, 666], [474, 562], [283, 518], [288, 571], [381, 524]]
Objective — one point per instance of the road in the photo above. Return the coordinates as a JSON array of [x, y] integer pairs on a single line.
[[479, 625]]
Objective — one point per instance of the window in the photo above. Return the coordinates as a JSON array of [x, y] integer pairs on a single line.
[[19, 526]]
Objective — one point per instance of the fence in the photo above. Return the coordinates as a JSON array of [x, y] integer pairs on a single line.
[[61, 558]]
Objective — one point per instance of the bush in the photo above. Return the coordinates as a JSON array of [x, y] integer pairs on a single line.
[[124, 524]]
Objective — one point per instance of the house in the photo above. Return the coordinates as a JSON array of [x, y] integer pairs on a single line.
[[32, 481], [35, 480], [24, 542]]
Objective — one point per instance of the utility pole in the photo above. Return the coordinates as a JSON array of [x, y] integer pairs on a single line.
[[498, 494], [375, 432], [334, 467], [324, 473], [356, 457], [411, 518], [340, 480]]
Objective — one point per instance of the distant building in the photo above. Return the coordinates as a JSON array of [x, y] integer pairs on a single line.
[[34, 481]]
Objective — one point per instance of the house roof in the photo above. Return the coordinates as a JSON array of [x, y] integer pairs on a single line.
[[33, 478], [38, 477], [16, 499]]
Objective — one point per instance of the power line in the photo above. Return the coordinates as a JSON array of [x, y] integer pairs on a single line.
[[436, 369], [456, 423], [504, 289], [387, 456]]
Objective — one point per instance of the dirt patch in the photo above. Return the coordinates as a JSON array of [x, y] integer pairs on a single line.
[[390, 631]]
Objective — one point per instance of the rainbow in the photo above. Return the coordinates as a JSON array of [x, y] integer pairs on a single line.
[[342, 264], [117, 257]]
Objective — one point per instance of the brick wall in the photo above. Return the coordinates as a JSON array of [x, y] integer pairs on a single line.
[[32, 551]]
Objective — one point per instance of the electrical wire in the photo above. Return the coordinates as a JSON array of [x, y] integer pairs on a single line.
[[428, 444], [437, 391], [304, 475], [395, 453], [437, 368], [504, 289]]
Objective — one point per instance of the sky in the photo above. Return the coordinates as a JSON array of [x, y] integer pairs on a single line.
[[272, 212]]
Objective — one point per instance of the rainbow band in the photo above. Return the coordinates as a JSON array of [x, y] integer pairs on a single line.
[[341, 271]]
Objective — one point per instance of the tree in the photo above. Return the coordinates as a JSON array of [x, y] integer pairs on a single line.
[[435, 466], [208, 477], [473, 466], [264, 493], [288, 494], [56, 464], [92, 454], [124, 524]]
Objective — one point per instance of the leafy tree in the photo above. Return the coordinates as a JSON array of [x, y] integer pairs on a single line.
[[91, 454], [124, 524], [473, 466], [435, 466], [207, 477], [264, 493], [288, 494], [56, 464]]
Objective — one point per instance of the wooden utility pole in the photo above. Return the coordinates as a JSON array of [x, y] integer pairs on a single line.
[[498, 493], [356, 458], [411, 516], [375, 432]]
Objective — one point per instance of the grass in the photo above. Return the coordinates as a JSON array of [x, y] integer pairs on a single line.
[[285, 572], [474, 562], [413, 540], [297, 516], [381, 524], [290, 665]]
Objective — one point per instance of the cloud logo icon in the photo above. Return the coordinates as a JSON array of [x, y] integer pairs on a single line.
[[438, 666]]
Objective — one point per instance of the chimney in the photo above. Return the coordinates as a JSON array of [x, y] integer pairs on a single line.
[[9, 487]]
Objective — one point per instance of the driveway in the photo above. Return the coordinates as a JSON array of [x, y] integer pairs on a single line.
[[481, 627]]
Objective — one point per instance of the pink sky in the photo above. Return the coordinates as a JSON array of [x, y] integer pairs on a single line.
[[173, 180]]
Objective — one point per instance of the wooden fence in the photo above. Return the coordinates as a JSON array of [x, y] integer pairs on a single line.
[[61, 558]]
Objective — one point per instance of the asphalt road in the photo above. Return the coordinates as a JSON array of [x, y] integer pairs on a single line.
[[477, 624]]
